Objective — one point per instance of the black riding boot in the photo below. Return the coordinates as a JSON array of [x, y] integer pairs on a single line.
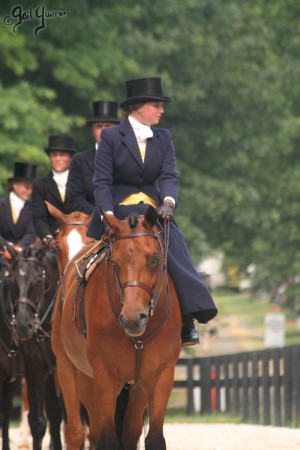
[[189, 333]]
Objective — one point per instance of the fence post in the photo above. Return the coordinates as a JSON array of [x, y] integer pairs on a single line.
[[296, 385], [236, 386], [205, 386], [276, 384], [190, 387], [266, 388], [245, 388], [254, 385], [287, 385]]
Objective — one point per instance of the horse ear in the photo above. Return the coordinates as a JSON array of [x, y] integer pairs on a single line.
[[150, 217], [56, 213], [110, 220]]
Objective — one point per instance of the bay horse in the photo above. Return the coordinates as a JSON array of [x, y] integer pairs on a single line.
[[33, 285], [11, 365], [120, 329]]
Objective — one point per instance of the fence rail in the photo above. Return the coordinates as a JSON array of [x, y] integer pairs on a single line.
[[261, 386]]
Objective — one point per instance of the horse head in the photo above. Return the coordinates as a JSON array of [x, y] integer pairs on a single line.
[[138, 260], [71, 236], [33, 281]]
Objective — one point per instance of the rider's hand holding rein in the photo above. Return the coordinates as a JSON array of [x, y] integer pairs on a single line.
[[166, 211]]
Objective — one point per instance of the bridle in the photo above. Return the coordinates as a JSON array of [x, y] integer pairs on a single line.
[[45, 285], [75, 222], [153, 292], [154, 295]]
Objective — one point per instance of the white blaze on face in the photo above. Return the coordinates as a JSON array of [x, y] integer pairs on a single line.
[[75, 243]]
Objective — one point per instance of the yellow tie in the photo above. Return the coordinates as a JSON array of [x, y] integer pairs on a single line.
[[142, 148], [13, 213], [62, 194]]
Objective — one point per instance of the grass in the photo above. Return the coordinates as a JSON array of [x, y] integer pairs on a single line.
[[178, 415], [251, 310]]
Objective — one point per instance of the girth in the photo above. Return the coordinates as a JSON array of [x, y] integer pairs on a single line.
[[85, 267]]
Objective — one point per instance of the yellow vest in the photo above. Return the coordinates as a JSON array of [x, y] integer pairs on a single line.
[[140, 197]]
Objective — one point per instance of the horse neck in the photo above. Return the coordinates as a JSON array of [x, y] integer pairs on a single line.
[[5, 314]]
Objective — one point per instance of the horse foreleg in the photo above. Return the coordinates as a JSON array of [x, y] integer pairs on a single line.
[[74, 431], [106, 391], [36, 416], [54, 413], [9, 390], [86, 394], [134, 418], [24, 430], [158, 396]]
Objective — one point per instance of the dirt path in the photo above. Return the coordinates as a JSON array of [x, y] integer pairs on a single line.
[[217, 437]]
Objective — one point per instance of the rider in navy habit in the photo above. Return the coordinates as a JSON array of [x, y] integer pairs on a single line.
[[135, 167], [52, 187], [80, 190], [16, 226]]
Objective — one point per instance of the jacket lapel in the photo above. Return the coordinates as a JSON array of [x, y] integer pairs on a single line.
[[53, 188], [91, 158], [25, 211], [130, 141], [9, 218], [152, 146]]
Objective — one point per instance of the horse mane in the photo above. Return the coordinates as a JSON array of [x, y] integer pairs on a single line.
[[133, 220], [27, 252]]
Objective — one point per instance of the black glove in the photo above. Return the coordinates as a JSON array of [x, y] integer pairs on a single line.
[[166, 211], [49, 241]]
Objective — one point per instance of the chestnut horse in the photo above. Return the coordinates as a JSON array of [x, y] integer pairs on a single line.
[[120, 329]]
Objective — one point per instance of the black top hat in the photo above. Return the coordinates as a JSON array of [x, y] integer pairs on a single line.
[[23, 172], [60, 143], [143, 90], [104, 111]]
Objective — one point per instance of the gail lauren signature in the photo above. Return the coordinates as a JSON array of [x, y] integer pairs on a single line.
[[18, 16]]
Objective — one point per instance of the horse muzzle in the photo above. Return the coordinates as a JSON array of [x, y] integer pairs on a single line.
[[24, 322], [134, 326]]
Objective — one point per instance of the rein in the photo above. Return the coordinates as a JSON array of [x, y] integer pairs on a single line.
[[139, 344]]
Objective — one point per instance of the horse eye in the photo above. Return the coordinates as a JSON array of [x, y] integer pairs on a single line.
[[153, 261]]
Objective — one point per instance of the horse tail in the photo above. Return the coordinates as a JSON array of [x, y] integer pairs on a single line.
[[121, 406]]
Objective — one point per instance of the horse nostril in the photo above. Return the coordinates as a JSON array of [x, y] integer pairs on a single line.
[[143, 316], [121, 320]]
